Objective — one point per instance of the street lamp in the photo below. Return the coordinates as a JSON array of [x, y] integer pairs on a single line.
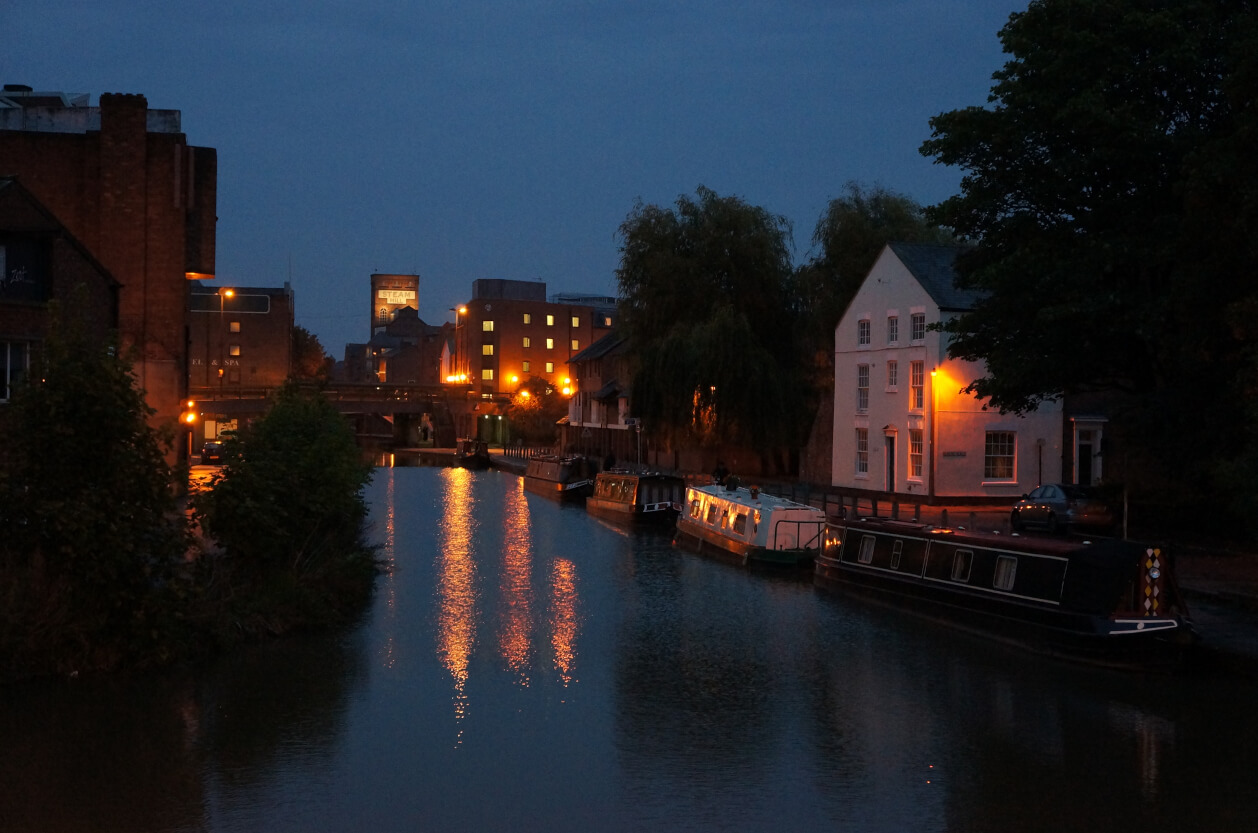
[[223, 295], [930, 493]]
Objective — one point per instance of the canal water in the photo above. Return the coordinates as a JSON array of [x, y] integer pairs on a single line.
[[525, 667]]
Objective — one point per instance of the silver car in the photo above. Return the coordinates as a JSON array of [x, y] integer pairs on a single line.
[[1061, 506]]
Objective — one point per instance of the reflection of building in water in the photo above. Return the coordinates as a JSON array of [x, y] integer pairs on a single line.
[[515, 641], [389, 656], [456, 585], [564, 626]]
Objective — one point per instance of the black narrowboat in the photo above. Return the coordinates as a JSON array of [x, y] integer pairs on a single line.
[[472, 454], [1108, 602], [565, 479], [636, 498]]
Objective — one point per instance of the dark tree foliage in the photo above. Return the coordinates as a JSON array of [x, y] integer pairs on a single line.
[[288, 512], [535, 410], [1111, 191], [91, 538], [849, 236], [705, 298], [310, 362]]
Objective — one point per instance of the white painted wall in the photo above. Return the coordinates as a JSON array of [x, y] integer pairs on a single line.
[[958, 421]]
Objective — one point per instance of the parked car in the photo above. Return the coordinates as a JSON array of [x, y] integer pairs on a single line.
[[212, 453], [1061, 506]]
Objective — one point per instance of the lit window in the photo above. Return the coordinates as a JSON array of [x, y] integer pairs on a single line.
[[862, 332], [487, 326], [486, 349], [740, 524], [524, 366], [862, 451], [893, 329], [862, 388], [1006, 570], [528, 342], [917, 381], [576, 344], [233, 327], [915, 452], [487, 374], [576, 321], [998, 455], [528, 318], [233, 350], [893, 375], [550, 367], [550, 321], [917, 325], [607, 320], [550, 344]]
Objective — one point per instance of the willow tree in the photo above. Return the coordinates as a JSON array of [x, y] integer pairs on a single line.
[[705, 299]]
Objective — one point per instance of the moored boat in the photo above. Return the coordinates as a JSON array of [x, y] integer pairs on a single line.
[[749, 525], [472, 454], [636, 497], [566, 479], [1107, 602]]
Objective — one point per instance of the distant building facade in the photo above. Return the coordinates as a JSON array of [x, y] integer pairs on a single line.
[[127, 185], [390, 294], [509, 331], [239, 338]]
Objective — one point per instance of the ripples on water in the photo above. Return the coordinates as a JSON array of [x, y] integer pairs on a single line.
[[526, 667]]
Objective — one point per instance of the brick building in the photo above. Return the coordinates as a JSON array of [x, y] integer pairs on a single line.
[[510, 331], [40, 262], [124, 181]]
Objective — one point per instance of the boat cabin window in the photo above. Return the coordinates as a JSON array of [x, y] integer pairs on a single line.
[[711, 513], [866, 554], [961, 565], [695, 509], [897, 549], [740, 523], [1006, 569]]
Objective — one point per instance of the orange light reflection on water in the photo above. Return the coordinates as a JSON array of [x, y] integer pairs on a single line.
[[389, 651], [566, 626], [456, 586], [515, 639]]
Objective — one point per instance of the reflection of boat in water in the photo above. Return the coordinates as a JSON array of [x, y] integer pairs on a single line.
[[472, 454], [636, 498], [1110, 602], [750, 525], [560, 478]]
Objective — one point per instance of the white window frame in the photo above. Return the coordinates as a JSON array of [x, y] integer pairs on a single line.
[[1000, 456], [893, 375], [893, 329], [862, 452], [862, 388], [917, 327], [917, 385], [862, 333]]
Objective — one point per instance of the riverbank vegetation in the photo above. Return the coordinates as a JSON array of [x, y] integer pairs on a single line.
[[99, 568]]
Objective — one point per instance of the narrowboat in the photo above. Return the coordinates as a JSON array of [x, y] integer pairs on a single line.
[[472, 454], [566, 479], [636, 497], [1107, 602], [749, 526]]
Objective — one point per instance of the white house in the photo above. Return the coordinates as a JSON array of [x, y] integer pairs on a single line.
[[901, 424]]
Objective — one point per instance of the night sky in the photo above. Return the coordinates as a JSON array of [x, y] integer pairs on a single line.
[[471, 139]]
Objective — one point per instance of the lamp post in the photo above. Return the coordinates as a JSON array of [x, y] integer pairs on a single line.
[[930, 493]]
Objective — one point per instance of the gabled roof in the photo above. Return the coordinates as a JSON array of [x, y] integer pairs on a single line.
[[932, 265], [610, 344]]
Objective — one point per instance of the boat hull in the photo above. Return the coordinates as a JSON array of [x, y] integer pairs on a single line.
[[707, 542], [1048, 614]]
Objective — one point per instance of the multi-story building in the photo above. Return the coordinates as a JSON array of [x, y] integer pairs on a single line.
[[509, 331], [124, 181], [903, 425], [239, 338], [389, 295], [41, 262]]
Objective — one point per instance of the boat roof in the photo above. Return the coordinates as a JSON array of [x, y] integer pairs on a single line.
[[762, 500], [1045, 544]]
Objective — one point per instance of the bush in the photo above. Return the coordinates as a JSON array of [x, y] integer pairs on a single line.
[[287, 511], [92, 540]]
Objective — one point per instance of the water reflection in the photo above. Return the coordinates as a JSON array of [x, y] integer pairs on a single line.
[[565, 625], [515, 637], [456, 585]]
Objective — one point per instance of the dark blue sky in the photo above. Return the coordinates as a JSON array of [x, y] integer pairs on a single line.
[[468, 139]]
